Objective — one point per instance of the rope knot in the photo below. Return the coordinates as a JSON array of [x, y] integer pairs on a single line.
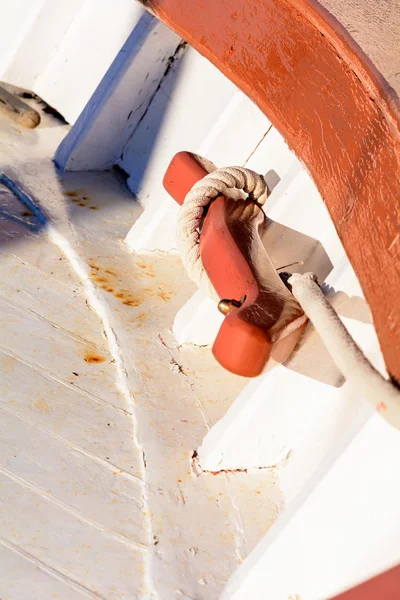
[[228, 181]]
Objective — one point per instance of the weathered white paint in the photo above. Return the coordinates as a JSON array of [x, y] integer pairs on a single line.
[[291, 419], [343, 530], [198, 321], [274, 421], [61, 50], [72, 445], [222, 125]]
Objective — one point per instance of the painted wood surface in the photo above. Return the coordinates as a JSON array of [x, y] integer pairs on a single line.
[[100, 410], [341, 531], [61, 50], [224, 126]]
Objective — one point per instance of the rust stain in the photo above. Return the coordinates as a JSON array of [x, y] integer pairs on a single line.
[[42, 405], [109, 281], [94, 357], [80, 199]]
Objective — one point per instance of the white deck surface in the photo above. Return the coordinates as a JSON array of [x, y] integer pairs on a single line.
[[100, 412]]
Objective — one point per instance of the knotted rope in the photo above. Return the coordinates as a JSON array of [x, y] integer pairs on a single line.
[[234, 182]]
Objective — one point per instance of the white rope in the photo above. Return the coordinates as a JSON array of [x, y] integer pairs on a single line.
[[349, 359], [230, 182]]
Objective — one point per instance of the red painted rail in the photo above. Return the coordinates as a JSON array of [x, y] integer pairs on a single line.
[[385, 586], [239, 267]]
